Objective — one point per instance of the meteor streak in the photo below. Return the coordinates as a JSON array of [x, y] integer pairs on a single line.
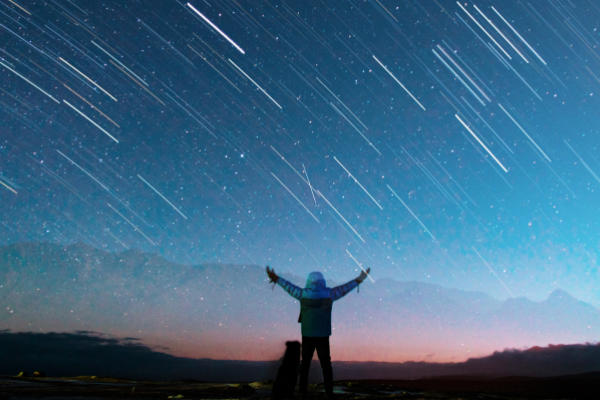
[[116, 238], [359, 264], [357, 130], [95, 124], [489, 127], [523, 130], [480, 142], [28, 81], [318, 192], [311, 189], [215, 28], [294, 169], [493, 272], [583, 162], [525, 82], [453, 180], [10, 182], [337, 98], [464, 73], [308, 251], [358, 183], [99, 183], [91, 105], [413, 214], [388, 71], [219, 72], [261, 89], [121, 64], [87, 173], [458, 77], [8, 187], [163, 197], [297, 199], [93, 83], [338, 213], [20, 7], [130, 223], [152, 94], [486, 32], [520, 37], [244, 212], [501, 34]]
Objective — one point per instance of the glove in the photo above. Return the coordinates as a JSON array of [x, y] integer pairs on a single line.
[[362, 276], [272, 275]]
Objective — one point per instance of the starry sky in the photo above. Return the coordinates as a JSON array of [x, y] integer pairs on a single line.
[[434, 141]]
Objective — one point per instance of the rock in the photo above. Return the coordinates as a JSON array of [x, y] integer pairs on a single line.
[[241, 386], [23, 374], [39, 374]]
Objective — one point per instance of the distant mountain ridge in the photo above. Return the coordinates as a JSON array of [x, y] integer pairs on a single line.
[[224, 311], [86, 353]]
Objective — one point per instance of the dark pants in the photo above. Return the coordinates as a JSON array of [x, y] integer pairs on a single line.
[[321, 344]]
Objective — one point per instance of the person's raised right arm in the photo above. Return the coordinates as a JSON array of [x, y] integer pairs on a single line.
[[292, 289], [289, 287]]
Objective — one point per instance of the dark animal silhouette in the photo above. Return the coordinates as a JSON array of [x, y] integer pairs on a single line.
[[287, 375]]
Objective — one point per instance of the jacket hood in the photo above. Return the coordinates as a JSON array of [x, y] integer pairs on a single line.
[[315, 281]]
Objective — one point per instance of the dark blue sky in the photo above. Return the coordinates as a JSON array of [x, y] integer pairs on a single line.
[[471, 143]]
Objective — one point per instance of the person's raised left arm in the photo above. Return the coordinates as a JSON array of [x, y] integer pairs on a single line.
[[340, 291]]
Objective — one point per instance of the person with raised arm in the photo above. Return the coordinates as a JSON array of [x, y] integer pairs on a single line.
[[316, 301]]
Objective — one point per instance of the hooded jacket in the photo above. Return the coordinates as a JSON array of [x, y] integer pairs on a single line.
[[316, 300]]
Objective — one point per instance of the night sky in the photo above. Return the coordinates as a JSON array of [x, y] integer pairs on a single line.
[[454, 144]]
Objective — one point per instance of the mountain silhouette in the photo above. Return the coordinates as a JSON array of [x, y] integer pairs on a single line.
[[92, 354], [230, 312]]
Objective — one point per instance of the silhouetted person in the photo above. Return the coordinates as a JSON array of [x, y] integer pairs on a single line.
[[316, 300], [287, 375]]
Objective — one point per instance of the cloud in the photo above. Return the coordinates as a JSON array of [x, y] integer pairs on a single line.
[[540, 361], [90, 353]]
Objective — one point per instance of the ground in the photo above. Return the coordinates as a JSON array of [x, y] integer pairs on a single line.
[[586, 386]]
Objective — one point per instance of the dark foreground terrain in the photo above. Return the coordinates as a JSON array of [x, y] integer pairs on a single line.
[[583, 386]]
